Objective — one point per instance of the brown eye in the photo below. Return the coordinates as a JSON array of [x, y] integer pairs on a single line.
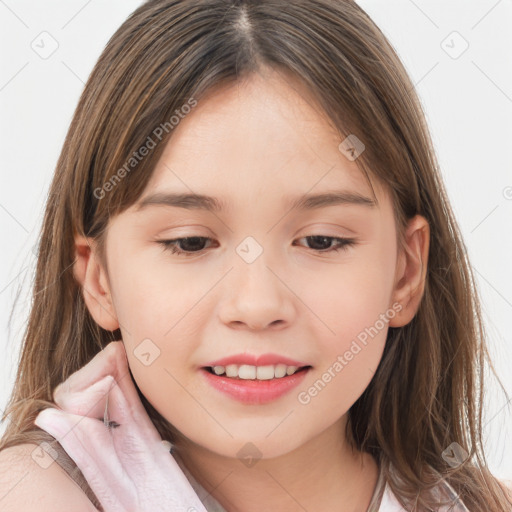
[[185, 246], [188, 246], [321, 243]]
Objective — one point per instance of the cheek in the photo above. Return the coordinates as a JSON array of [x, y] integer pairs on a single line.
[[168, 391], [353, 306], [349, 357], [155, 299], [160, 330], [349, 299]]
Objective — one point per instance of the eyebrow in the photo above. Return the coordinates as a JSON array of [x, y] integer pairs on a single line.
[[213, 204]]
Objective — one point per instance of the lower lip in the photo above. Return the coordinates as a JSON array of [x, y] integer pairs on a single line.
[[255, 391]]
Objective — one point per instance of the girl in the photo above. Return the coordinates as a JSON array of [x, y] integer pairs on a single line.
[[249, 201]]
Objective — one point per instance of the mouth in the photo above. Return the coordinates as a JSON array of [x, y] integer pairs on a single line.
[[254, 385], [251, 372]]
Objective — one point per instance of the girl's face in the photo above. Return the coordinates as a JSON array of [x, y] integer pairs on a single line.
[[263, 277]]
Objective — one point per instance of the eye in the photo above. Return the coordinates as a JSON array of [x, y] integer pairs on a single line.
[[195, 244], [323, 241], [190, 245]]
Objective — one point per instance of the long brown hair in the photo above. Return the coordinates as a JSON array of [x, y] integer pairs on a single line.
[[428, 390]]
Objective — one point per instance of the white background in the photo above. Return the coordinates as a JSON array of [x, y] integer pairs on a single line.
[[468, 101]]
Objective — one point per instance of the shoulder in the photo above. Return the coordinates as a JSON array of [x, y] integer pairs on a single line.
[[31, 480]]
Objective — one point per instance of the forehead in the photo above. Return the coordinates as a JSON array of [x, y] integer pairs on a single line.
[[262, 136]]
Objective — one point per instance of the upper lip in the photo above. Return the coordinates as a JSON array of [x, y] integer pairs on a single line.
[[256, 360]]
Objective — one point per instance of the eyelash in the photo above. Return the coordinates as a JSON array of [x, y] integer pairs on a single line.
[[171, 245]]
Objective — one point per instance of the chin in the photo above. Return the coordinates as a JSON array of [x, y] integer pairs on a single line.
[[250, 448]]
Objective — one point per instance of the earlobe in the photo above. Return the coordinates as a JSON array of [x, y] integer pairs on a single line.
[[93, 280], [411, 270]]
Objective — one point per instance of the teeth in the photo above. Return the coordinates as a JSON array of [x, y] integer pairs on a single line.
[[265, 372], [219, 370], [249, 372], [280, 371], [290, 370], [231, 370]]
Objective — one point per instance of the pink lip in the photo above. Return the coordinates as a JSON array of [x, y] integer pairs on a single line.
[[261, 360], [254, 392]]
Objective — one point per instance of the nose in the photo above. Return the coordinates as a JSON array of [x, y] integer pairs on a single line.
[[255, 297]]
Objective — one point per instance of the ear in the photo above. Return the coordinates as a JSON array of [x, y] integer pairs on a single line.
[[93, 278], [411, 271]]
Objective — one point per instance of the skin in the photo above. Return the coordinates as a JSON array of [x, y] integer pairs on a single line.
[[252, 145]]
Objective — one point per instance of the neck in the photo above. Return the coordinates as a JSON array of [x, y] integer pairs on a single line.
[[322, 474]]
